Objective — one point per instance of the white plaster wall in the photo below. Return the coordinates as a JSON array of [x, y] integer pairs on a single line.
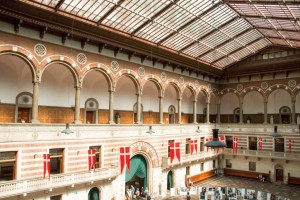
[[277, 99], [201, 103], [213, 105], [150, 98], [95, 86], [253, 103], [228, 103], [15, 77], [57, 87], [125, 95], [170, 98], [187, 102]]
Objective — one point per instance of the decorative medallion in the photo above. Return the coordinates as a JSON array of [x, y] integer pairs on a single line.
[[114, 65], [141, 71], [40, 50], [292, 83], [196, 83], [181, 80], [81, 58], [239, 87], [163, 76], [264, 85]]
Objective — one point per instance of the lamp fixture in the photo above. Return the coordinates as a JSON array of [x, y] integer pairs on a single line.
[[275, 134], [215, 143], [67, 130], [150, 130], [198, 130]]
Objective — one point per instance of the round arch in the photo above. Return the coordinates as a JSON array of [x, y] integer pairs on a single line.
[[175, 86], [107, 77], [95, 194], [156, 83], [132, 77]]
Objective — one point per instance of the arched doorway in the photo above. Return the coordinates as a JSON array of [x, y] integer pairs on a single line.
[[285, 113], [23, 107], [170, 180], [138, 173], [172, 112], [91, 111], [236, 115], [278, 173], [94, 194]]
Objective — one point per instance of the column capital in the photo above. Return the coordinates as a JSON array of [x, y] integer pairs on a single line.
[[36, 82], [78, 87]]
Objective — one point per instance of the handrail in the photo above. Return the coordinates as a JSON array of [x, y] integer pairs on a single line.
[[17, 187]]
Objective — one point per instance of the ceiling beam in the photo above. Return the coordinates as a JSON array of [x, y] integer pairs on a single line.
[[268, 17], [110, 11], [277, 29], [265, 2], [154, 17], [58, 5], [209, 33], [189, 22]]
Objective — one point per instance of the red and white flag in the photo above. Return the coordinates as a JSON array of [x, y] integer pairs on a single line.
[[260, 144], [125, 158], [290, 145], [235, 144], [174, 150], [92, 159], [193, 144], [47, 165], [207, 140], [222, 139]]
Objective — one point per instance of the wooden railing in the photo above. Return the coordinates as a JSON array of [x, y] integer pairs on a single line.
[[200, 177], [22, 187], [246, 174]]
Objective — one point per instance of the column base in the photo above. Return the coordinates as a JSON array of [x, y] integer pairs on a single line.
[[111, 122], [161, 122], [138, 123], [77, 121], [35, 121]]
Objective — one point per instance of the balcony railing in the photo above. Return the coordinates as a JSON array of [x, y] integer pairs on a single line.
[[186, 158], [265, 154], [22, 187]]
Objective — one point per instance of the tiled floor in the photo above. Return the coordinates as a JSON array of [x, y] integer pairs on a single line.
[[288, 191]]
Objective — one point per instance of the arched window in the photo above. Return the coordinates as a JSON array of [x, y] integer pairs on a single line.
[[94, 194]]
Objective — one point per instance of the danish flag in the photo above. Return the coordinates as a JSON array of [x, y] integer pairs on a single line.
[[174, 150], [193, 144], [222, 139], [290, 145], [235, 144], [125, 158], [260, 143], [47, 165], [208, 139], [92, 159]]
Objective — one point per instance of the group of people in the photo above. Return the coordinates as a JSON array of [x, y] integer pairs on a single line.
[[137, 194]]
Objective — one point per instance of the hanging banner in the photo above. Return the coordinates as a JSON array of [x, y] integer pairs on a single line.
[[92, 159], [235, 144], [174, 151], [260, 144], [222, 139], [125, 158], [207, 140], [47, 165], [193, 144], [290, 145]]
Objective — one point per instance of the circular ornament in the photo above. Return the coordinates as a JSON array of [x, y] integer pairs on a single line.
[[264, 85], [114, 65], [40, 50], [81, 58]]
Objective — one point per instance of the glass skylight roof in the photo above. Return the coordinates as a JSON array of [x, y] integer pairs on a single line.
[[216, 32]]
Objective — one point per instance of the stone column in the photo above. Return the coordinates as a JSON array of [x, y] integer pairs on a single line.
[[195, 111], [293, 112], [207, 112], [241, 112], [161, 114], [77, 105], [35, 102], [111, 107], [218, 113], [138, 110], [265, 112], [179, 111]]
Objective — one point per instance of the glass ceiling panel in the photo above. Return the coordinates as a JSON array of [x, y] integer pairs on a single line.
[[197, 7], [258, 45], [236, 27], [269, 32], [262, 23], [295, 43], [212, 56], [215, 39], [174, 17], [219, 16], [177, 42], [274, 10], [295, 9], [51, 3], [124, 20], [245, 9], [230, 47], [291, 35], [197, 29], [249, 36], [196, 50], [224, 62], [279, 41], [285, 24], [154, 32], [241, 53]]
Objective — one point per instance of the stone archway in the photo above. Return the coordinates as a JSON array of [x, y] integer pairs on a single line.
[[279, 173]]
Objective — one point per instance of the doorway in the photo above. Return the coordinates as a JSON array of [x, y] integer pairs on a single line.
[[279, 144], [236, 115], [285, 113], [172, 112], [23, 107], [23, 115], [93, 194], [170, 180], [138, 173], [91, 111]]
